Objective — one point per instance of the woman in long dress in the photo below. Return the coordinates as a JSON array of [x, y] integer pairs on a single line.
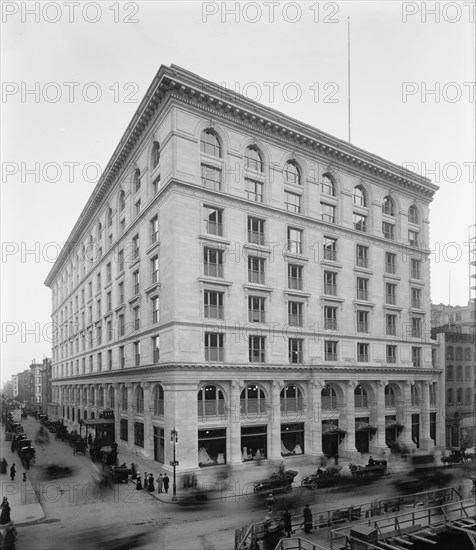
[[5, 516]]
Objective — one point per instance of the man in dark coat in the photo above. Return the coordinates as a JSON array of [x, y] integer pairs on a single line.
[[13, 471], [307, 519], [166, 483], [287, 528]]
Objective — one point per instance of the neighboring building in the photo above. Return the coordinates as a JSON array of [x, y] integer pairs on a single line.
[[472, 265], [36, 369], [26, 393], [256, 284], [46, 389], [15, 385], [7, 390], [454, 329]]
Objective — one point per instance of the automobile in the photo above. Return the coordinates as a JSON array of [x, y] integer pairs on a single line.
[[377, 468], [324, 477], [277, 482]]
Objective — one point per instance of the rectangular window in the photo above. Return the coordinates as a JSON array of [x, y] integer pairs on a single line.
[[120, 260], [256, 309], [122, 225], [213, 304], [330, 350], [214, 350], [154, 265], [416, 298], [360, 222], [362, 352], [416, 327], [362, 321], [293, 202], [328, 213], [154, 229], [362, 255], [155, 185], [295, 276], [254, 190], [330, 283], [391, 325], [390, 262], [330, 249], [109, 359], [416, 356], [295, 351], [256, 272], [109, 302], [413, 238], [124, 430], [213, 220], [135, 283], [99, 334], [99, 363], [211, 177], [330, 318], [391, 354], [136, 318], [137, 207], [109, 330], [292, 439], [135, 247], [137, 353], [120, 288], [255, 231], [256, 349], [211, 447], [139, 434], [155, 309], [122, 357], [390, 294], [99, 285], [156, 348], [295, 315], [121, 325], [294, 240], [213, 262], [362, 289], [388, 230]]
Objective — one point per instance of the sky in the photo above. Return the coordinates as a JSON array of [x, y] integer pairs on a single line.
[[73, 75]]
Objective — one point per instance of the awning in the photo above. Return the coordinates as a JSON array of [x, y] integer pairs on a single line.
[[365, 426], [394, 425], [334, 430], [96, 421]]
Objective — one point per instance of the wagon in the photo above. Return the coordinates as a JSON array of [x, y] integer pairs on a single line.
[[27, 456], [277, 482]]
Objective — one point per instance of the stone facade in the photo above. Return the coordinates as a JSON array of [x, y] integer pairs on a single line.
[[250, 281]]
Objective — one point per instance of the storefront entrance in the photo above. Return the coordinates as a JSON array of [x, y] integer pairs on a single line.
[[332, 436]]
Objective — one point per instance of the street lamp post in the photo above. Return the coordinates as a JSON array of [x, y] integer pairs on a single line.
[[174, 463]]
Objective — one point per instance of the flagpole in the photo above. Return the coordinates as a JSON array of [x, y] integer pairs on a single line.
[[348, 72]]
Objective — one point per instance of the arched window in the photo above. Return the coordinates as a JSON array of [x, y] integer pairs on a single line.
[[360, 397], [136, 180], [124, 399], [359, 196], [459, 353], [389, 396], [467, 373], [450, 396], [413, 214], [328, 185], [467, 354], [211, 401], [109, 217], [292, 173], [414, 396], [450, 373], [99, 231], [291, 399], [122, 201], [252, 400], [209, 143], [85, 396], [253, 159], [459, 395], [467, 396], [388, 206], [459, 372], [92, 395], [449, 352], [329, 398], [112, 398], [139, 400], [158, 399], [155, 154]]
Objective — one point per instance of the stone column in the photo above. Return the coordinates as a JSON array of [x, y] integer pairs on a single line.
[[274, 439], [148, 431], [426, 442], [313, 429], [406, 416], [349, 414], [377, 445], [234, 423], [130, 415], [117, 414]]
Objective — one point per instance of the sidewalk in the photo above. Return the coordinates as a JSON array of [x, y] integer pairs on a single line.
[[24, 503]]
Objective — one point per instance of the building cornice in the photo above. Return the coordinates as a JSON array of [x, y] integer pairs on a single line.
[[189, 88]]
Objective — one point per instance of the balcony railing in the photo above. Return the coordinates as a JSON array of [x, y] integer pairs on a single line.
[[362, 294], [390, 299], [330, 324], [330, 289], [211, 408], [329, 403], [291, 404], [252, 406], [363, 357]]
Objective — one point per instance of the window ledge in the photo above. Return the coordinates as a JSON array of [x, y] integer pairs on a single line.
[[256, 286], [331, 263], [393, 307], [214, 280], [392, 276], [364, 303], [135, 298], [365, 270], [216, 239], [153, 247], [331, 298], [152, 287], [295, 292], [291, 256]]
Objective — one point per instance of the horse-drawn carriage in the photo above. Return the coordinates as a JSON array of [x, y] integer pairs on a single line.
[[277, 482], [62, 434], [374, 469], [26, 452], [80, 447]]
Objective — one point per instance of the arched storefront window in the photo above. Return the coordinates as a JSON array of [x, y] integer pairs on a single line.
[[124, 399], [158, 399], [329, 398], [389, 396], [211, 401], [140, 400], [291, 399], [252, 400], [360, 398]]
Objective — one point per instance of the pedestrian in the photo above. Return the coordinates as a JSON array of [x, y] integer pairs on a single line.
[[166, 483], [144, 484], [3, 466], [150, 483], [160, 483], [307, 519], [138, 482], [270, 501], [90, 439], [134, 471], [5, 515], [13, 472], [287, 528], [9, 539]]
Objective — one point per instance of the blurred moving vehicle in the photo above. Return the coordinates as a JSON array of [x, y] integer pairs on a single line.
[[422, 475], [277, 482], [324, 477]]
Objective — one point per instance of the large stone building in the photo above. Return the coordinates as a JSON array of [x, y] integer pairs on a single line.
[[256, 284]]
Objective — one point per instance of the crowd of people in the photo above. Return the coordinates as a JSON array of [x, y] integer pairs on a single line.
[[149, 482]]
